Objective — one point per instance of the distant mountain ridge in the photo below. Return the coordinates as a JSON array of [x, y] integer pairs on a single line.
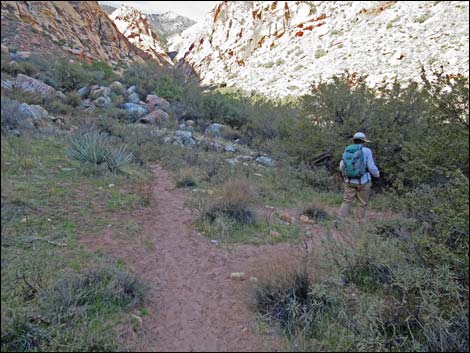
[[164, 24], [169, 23], [136, 27]]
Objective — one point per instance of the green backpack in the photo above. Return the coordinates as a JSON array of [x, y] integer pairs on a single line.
[[354, 164]]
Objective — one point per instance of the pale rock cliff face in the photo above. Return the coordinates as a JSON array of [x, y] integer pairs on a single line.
[[281, 47], [80, 29], [137, 29], [169, 24]]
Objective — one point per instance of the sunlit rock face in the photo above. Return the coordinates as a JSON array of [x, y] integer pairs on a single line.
[[136, 27], [79, 29], [280, 47]]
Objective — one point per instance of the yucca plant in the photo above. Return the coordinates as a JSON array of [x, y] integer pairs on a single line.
[[116, 158], [93, 148], [89, 147]]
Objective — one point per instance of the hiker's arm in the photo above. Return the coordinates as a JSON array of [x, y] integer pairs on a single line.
[[372, 167]]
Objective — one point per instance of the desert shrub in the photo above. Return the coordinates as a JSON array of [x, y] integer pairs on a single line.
[[186, 178], [73, 75], [73, 99], [78, 295], [101, 66], [19, 335], [143, 76], [443, 215], [317, 212], [409, 126], [10, 115], [234, 201], [22, 67], [53, 105], [229, 133], [395, 305], [317, 178], [94, 149], [168, 88], [291, 299], [224, 108]]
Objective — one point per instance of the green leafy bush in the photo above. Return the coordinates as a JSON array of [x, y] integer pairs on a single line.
[[224, 108], [73, 75], [168, 88], [101, 66]]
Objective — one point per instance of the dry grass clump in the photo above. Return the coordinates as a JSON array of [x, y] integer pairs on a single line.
[[234, 200]]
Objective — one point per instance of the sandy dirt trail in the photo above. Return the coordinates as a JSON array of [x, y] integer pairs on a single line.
[[193, 304]]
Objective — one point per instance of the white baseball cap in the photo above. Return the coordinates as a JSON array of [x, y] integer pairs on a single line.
[[360, 136]]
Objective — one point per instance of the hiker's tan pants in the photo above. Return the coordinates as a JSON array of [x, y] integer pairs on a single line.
[[352, 191]]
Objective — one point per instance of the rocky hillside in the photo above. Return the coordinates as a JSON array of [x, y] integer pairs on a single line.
[[136, 27], [169, 24], [280, 47], [80, 29]]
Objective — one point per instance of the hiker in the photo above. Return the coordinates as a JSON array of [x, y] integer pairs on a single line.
[[357, 165]]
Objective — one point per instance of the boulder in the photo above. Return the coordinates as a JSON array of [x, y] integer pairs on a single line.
[[214, 146], [156, 102], [35, 112], [131, 89], [266, 161], [232, 161], [246, 158], [32, 115], [135, 109], [7, 85], [230, 148], [214, 130], [20, 55], [184, 138], [156, 117], [133, 98], [88, 104], [84, 91], [29, 84], [117, 88], [102, 102], [100, 92]]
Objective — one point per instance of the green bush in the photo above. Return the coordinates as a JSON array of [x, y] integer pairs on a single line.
[[443, 214], [22, 67], [143, 76], [101, 66], [168, 88], [409, 127], [225, 109], [73, 99], [71, 76], [375, 294]]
